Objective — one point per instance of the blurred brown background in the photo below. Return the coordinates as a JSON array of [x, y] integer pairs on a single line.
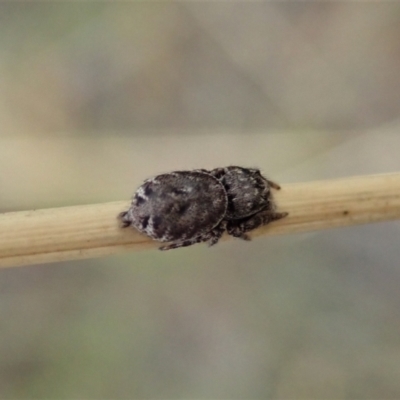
[[97, 96]]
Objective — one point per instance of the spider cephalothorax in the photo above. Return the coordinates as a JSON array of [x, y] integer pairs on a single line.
[[188, 207]]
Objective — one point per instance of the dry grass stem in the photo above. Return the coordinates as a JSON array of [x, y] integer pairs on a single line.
[[39, 236]]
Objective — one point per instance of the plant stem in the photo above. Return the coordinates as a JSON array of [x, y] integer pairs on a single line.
[[58, 234]]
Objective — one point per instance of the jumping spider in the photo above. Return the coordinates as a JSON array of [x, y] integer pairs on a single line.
[[188, 207]]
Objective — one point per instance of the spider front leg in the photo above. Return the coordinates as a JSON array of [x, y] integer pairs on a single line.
[[238, 228], [211, 237]]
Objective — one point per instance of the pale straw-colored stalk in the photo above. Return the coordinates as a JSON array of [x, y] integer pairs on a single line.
[[68, 233]]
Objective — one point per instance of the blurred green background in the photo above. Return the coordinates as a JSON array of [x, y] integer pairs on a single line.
[[97, 96]]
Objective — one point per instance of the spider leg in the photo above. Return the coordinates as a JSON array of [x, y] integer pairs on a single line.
[[216, 233], [183, 243], [238, 228], [124, 218], [211, 237]]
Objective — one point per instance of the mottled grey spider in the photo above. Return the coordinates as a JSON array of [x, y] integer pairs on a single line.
[[188, 207]]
